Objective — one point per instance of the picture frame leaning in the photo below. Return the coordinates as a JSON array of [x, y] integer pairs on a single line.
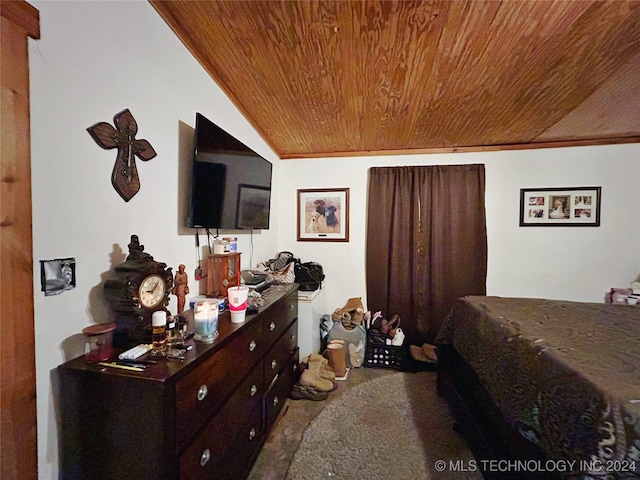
[[566, 207], [323, 215]]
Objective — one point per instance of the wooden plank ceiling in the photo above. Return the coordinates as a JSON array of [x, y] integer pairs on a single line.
[[342, 78]]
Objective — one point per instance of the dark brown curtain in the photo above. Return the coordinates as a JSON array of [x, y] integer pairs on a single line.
[[426, 243]]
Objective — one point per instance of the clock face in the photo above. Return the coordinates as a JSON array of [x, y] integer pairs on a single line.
[[151, 292]]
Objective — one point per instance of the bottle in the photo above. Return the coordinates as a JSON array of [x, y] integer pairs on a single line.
[[159, 331], [172, 331], [181, 330]]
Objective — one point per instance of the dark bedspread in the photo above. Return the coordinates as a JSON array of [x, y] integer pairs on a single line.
[[565, 374]]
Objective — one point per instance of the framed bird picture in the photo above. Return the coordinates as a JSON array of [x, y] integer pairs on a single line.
[[323, 215]]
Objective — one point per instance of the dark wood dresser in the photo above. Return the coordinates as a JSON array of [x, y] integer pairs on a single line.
[[206, 417]]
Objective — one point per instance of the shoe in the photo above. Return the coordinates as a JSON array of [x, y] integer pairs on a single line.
[[367, 319], [327, 374], [326, 354], [352, 304], [425, 353], [325, 371], [311, 378], [430, 351], [356, 354], [398, 338], [303, 392], [337, 358], [375, 323], [384, 327], [358, 316], [374, 336], [393, 325], [316, 357], [346, 321]]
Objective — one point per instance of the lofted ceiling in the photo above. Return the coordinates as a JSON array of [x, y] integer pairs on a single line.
[[343, 78]]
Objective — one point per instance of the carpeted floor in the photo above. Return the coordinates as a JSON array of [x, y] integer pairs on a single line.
[[394, 426]]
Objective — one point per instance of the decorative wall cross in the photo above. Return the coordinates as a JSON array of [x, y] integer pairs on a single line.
[[124, 177]]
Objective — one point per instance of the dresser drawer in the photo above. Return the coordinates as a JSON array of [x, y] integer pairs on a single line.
[[238, 459], [276, 358], [277, 395], [279, 317], [203, 391], [238, 421]]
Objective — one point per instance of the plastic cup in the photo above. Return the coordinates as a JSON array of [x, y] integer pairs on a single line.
[[205, 314], [238, 303]]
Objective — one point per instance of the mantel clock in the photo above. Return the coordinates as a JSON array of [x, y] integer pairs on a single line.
[[139, 287]]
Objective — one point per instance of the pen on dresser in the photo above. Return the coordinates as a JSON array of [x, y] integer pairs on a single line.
[[137, 362], [130, 364], [123, 367]]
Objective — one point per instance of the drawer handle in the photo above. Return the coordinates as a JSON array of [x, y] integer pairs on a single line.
[[252, 434], [272, 326], [291, 307], [202, 392], [274, 364], [206, 456], [254, 390], [293, 338], [275, 401], [252, 346]]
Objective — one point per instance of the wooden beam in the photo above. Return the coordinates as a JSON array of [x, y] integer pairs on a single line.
[[18, 433], [22, 15], [476, 148]]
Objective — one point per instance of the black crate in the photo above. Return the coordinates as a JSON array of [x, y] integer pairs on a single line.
[[379, 355]]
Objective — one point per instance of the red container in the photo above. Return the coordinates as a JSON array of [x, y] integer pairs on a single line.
[[100, 340]]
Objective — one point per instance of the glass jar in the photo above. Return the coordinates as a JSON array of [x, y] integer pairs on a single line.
[[99, 342]]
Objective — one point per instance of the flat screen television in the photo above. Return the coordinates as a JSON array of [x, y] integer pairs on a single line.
[[231, 186]]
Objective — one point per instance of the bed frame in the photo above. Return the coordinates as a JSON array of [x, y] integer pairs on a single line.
[[533, 380], [480, 421]]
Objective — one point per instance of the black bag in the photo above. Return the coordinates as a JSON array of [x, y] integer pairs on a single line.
[[309, 276]]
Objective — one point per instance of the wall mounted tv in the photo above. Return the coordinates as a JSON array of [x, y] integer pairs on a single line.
[[231, 187]]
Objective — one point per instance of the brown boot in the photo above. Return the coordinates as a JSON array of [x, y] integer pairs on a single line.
[[346, 321], [337, 358], [357, 316], [311, 377], [352, 304], [325, 370], [316, 357]]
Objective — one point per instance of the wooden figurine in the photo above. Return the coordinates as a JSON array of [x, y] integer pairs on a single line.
[[181, 287]]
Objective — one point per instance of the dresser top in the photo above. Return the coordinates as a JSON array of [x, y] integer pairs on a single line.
[[165, 370]]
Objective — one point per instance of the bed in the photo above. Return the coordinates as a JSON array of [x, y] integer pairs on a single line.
[[554, 384]]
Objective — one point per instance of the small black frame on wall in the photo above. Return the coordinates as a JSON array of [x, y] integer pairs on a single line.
[[560, 207], [57, 276]]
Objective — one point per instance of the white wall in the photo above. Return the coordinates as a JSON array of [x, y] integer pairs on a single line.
[[97, 58], [572, 263]]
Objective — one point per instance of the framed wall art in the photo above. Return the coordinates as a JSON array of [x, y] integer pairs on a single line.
[[323, 215], [567, 207], [57, 276]]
